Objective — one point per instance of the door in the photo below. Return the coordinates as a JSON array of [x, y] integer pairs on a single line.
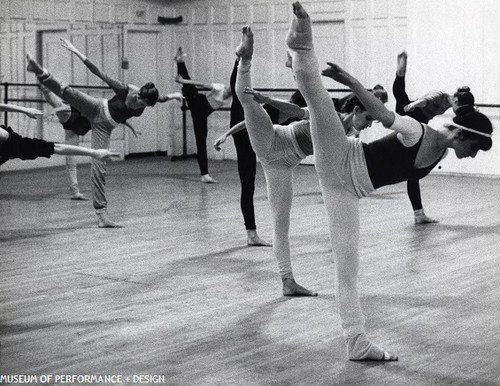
[[329, 45], [142, 52]]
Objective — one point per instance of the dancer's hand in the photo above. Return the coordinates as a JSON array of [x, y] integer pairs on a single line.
[[257, 96], [179, 79], [33, 113], [410, 107], [219, 142], [105, 154], [68, 45], [336, 72], [176, 96]]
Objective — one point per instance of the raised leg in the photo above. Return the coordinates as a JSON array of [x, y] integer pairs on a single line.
[[342, 207], [259, 125]]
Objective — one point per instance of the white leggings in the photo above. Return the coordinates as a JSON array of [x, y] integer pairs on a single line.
[[333, 164], [278, 171]]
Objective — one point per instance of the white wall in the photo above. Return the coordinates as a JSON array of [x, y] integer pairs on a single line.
[[454, 43], [450, 43]]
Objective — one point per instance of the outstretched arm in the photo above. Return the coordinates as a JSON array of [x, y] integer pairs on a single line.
[[419, 103], [233, 130], [170, 97], [372, 104], [432, 98], [290, 109], [181, 80], [100, 154], [30, 112], [116, 85], [132, 129]]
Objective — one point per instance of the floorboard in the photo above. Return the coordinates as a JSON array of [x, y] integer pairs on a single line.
[[176, 293]]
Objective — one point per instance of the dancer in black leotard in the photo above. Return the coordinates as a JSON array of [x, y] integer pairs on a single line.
[[349, 170], [423, 110], [200, 106]]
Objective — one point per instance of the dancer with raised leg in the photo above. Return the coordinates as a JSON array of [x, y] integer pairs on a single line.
[[104, 116], [423, 110], [201, 106], [247, 166], [349, 170], [279, 149]]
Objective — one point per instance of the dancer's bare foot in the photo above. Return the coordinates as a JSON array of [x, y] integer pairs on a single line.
[[254, 240], [245, 48], [421, 217], [402, 61], [291, 288], [180, 56], [78, 197], [105, 222], [336, 72], [33, 66], [300, 33], [359, 348], [207, 179]]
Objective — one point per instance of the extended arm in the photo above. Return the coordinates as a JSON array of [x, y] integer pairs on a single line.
[[181, 80], [236, 128], [132, 129], [170, 97], [419, 103], [116, 85], [30, 112], [100, 154], [372, 104], [436, 99], [290, 109]]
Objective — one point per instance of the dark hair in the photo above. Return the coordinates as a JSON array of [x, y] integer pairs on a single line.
[[351, 103], [464, 96], [298, 99], [479, 122], [380, 92], [149, 93]]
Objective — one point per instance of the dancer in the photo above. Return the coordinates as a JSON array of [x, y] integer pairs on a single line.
[[247, 167], [75, 125], [12, 145], [349, 170], [279, 149], [424, 109], [279, 152], [147, 95], [280, 112], [104, 115], [201, 106]]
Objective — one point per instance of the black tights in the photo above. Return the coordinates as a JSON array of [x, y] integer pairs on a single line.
[[247, 161], [398, 89], [200, 110]]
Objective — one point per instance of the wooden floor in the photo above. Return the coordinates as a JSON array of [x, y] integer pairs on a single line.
[[177, 293]]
